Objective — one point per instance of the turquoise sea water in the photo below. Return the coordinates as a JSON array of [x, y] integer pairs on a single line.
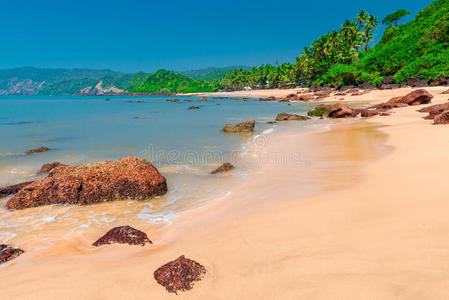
[[185, 145]]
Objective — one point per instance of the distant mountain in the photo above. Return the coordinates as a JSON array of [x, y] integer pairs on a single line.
[[164, 81], [212, 73]]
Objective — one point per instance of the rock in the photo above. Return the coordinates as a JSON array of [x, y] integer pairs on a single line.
[[8, 253], [50, 166], [442, 118], [306, 97], [123, 235], [414, 82], [340, 94], [439, 81], [434, 110], [323, 94], [226, 167], [107, 99], [367, 85], [241, 98], [194, 107], [247, 126], [271, 122], [37, 150], [187, 100], [341, 99], [387, 80], [366, 113], [203, 99], [179, 275], [358, 93], [416, 97], [445, 92], [342, 111], [126, 178], [322, 110], [173, 100], [290, 117], [271, 98], [13, 189]]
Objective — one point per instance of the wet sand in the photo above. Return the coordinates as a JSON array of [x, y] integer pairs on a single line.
[[361, 214]]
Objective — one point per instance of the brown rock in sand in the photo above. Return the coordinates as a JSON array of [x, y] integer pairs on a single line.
[[8, 253], [13, 189], [434, 110], [442, 118], [306, 97], [126, 178], [445, 92], [123, 235], [417, 97], [179, 275], [37, 150], [247, 126], [226, 167], [342, 111], [50, 166], [366, 113], [290, 117]]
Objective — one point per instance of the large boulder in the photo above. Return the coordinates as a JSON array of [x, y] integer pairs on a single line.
[[126, 178], [123, 235], [13, 189], [290, 117], [442, 118], [434, 110], [226, 167], [247, 126], [179, 274], [416, 97], [8, 253], [50, 166], [342, 111]]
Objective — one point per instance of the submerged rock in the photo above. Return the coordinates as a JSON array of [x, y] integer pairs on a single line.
[[123, 235], [247, 126], [50, 166], [203, 99], [289, 117], [179, 275], [8, 253], [126, 178], [226, 167], [37, 150], [13, 189], [193, 107]]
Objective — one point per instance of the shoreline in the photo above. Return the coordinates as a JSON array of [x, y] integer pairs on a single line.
[[382, 237]]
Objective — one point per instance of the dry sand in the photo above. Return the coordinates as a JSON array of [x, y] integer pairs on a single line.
[[375, 229]]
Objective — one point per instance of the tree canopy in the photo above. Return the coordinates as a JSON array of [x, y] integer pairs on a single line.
[[395, 17]]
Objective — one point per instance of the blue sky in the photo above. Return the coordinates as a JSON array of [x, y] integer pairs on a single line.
[[135, 35]]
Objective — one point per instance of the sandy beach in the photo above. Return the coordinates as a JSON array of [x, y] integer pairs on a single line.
[[372, 227]]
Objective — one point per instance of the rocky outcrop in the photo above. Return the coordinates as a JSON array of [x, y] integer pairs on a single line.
[[247, 126], [123, 235], [13, 189], [442, 118], [8, 253], [226, 167], [193, 107], [37, 150], [50, 166], [434, 110], [439, 81], [126, 178], [179, 275], [290, 117], [416, 97], [333, 111]]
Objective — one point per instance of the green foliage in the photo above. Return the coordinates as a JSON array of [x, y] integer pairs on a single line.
[[395, 17], [212, 73], [317, 112], [123, 81], [164, 81]]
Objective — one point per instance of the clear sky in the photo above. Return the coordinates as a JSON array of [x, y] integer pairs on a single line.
[[148, 35]]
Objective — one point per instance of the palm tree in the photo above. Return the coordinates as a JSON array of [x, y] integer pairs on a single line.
[[371, 24], [362, 17]]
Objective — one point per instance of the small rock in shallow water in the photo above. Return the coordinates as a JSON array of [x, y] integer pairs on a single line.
[[223, 168], [37, 150], [290, 117], [123, 235], [179, 275], [247, 126], [8, 253], [193, 107]]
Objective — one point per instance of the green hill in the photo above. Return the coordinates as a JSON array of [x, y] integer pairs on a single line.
[[164, 81]]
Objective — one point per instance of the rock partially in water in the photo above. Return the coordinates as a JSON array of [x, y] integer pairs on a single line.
[[50, 166], [8, 253], [37, 150], [247, 126], [126, 178], [226, 167], [193, 107], [203, 99], [290, 117], [13, 189], [123, 235], [179, 275]]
